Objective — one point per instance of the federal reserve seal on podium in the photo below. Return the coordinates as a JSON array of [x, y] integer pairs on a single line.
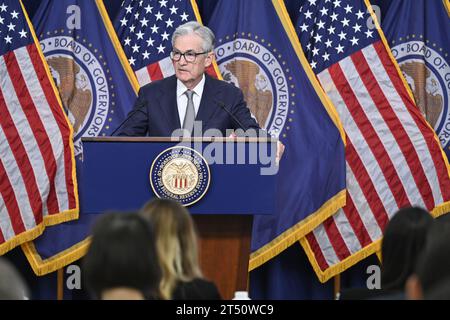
[[180, 174]]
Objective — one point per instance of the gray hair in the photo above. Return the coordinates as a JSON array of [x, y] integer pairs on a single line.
[[194, 27]]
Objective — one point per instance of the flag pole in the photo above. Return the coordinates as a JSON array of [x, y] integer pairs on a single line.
[[60, 284], [337, 285]]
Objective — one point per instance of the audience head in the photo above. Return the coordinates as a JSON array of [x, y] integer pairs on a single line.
[[12, 285], [122, 262], [176, 242], [432, 271], [403, 241]]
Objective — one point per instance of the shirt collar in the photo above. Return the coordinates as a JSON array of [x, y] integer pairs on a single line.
[[181, 88]]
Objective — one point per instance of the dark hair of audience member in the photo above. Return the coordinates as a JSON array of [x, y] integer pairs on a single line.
[[403, 241], [433, 267], [122, 254]]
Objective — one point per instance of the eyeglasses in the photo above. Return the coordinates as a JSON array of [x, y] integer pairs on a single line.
[[189, 56]]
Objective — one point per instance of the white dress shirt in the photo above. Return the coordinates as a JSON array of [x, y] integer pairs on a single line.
[[182, 99]]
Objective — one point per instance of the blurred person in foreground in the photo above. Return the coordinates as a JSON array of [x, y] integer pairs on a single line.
[[404, 240], [177, 249], [121, 263], [431, 278], [12, 285]]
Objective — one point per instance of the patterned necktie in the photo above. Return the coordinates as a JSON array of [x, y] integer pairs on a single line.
[[189, 118]]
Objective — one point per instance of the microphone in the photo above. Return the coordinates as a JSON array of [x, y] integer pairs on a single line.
[[138, 108], [259, 132], [236, 120]]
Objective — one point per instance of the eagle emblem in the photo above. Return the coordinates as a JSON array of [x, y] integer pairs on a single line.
[[74, 89], [180, 174]]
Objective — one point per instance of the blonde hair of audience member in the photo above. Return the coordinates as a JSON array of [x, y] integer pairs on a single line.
[[176, 243]]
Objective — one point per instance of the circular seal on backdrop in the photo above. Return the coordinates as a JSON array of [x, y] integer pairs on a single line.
[[251, 66], [82, 85], [180, 174], [427, 73]]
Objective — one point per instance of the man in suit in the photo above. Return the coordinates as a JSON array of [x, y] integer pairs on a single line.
[[171, 107]]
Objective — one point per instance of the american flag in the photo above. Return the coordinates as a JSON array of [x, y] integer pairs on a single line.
[[37, 173], [393, 158], [145, 28]]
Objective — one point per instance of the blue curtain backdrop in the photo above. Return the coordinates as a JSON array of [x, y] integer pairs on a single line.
[[299, 278]]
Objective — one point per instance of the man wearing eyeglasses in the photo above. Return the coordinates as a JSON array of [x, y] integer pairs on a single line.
[[173, 106]]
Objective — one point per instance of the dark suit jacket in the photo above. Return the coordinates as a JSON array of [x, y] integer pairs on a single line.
[[197, 289], [156, 112]]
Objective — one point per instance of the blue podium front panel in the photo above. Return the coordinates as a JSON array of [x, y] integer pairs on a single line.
[[115, 175]]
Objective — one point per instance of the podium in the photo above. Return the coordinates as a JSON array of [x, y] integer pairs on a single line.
[[118, 174]]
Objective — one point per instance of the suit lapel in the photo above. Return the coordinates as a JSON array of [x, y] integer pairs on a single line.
[[168, 103], [207, 104]]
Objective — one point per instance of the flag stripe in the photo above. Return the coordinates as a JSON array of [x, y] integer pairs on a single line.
[[154, 71], [38, 131], [369, 133], [439, 170], [367, 186], [389, 141], [356, 222], [324, 244], [413, 129], [318, 255], [362, 206], [17, 145], [355, 136], [346, 231], [166, 67], [29, 196], [45, 118], [6, 227], [12, 207], [143, 76], [397, 130], [2, 204], [17, 183], [64, 178], [374, 143], [338, 243]]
